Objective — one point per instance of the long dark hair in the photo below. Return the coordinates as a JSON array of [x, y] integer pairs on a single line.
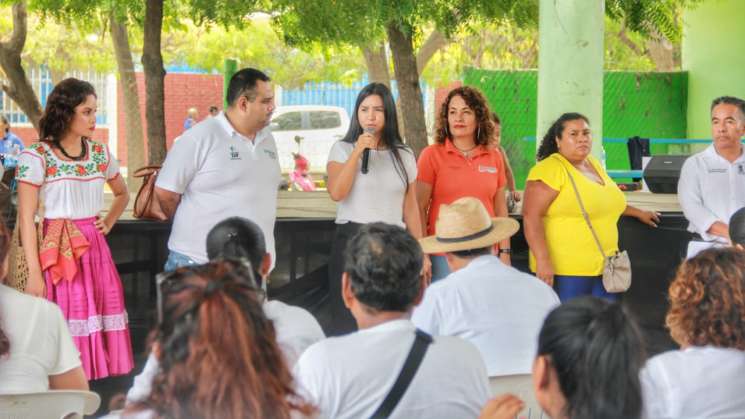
[[596, 350], [476, 101], [391, 137], [548, 145], [219, 357], [4, 249], [60, 109]]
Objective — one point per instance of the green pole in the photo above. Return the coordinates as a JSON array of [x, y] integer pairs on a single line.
[[713, 53], [230, 68], [570, 64]]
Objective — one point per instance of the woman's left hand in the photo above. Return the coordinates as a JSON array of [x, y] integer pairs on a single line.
[[427, 270], [505, 258], [649, 218], [102, 226]]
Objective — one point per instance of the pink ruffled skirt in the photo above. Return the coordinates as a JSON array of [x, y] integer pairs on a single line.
[[93, 305]]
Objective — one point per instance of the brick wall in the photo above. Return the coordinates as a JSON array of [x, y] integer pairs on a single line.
[[182, 91]]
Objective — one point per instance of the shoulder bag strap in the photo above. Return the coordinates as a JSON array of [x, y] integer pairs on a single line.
[[582, 208], [411, 365]]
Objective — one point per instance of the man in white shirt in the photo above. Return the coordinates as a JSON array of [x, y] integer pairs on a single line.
[[494, 306], [350, 376], [297, 329], [712, 183], [222, 167]]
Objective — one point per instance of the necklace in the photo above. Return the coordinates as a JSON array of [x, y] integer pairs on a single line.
[[83, 151], [464, 152]]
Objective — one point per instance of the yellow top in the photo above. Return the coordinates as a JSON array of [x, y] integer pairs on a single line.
[[570, 244]]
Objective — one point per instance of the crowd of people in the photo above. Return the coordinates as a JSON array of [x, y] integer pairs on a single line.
[[425, 309]]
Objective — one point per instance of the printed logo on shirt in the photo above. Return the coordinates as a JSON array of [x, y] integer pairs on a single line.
[[741, 169], [272, 155], [234, 154], [487, 169]]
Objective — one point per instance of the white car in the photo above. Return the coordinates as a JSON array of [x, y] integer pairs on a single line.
[[310, 130]]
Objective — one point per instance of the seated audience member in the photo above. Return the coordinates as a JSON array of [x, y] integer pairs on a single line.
[[36, 350], [492, 305], [737, 229], [239, 238], [706, 377], [217, 350], [587, 366], [350, 376]]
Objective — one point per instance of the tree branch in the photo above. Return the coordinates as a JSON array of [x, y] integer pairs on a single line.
[[433, 44], [18, 37], [628, 42]]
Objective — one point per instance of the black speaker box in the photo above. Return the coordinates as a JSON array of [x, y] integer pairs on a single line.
[[662, 173]]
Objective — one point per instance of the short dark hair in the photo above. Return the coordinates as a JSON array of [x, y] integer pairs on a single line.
[[237, 238], [597, 352], [477, 102], [384, 263], [737, 227], [729, 100], [471, 253], [243, 83]]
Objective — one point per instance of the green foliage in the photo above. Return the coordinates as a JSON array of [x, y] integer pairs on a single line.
[[648, 16], [256, 44]]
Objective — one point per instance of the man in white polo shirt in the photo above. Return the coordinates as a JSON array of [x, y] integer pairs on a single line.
[[712, 183], [494, 306], [349, 376], [222, 167]]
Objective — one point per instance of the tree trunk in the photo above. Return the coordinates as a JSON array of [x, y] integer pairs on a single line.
[[660, 50], [132, 117], [407, 78], [152, 63], [377, 64], [434, 43], [19, 88]]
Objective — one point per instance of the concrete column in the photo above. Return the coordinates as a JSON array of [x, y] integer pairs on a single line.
[[713, 54], [570, 63]]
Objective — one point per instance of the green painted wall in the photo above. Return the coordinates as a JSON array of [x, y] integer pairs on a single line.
[[713, 53], [651, 105]]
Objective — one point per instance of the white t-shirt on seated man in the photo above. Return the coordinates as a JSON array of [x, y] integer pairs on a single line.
[[494, 306], [350, 376], [222, 167], [712, 183]]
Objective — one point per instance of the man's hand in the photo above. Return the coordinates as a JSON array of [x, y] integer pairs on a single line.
[[719, 229]]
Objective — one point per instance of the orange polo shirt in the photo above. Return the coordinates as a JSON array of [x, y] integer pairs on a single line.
[[454, 176]]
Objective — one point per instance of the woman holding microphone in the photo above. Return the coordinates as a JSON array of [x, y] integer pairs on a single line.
[[376, 188]]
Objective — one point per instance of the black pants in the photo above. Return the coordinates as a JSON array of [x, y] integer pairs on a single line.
[[340, 319]]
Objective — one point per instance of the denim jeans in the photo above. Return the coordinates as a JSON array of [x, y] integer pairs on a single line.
[[176, 260], [572, 286]]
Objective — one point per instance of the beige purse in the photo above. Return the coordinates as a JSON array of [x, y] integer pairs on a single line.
[[18, 269], [617, 267]]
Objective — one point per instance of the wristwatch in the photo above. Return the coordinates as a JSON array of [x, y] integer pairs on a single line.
[[504, 251]]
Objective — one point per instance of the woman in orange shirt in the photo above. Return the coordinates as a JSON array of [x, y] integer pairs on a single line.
[[461, 163]]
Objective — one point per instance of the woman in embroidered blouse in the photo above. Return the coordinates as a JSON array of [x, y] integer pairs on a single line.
[[72, 266]]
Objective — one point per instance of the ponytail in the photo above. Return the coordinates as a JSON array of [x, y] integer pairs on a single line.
[[597, 352]]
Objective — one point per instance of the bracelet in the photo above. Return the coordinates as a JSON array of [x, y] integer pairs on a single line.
[[504, 251]]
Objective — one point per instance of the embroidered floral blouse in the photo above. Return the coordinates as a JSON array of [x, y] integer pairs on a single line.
[[69, 189]]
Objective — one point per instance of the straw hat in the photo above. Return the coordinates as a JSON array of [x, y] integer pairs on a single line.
[[465, 224]]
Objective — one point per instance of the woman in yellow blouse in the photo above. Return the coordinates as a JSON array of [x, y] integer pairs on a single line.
[[563, 252]]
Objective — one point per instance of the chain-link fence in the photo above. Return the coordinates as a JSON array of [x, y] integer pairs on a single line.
[[648, 105]]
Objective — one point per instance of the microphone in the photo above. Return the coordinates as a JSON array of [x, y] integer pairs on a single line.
[[366, 153]]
